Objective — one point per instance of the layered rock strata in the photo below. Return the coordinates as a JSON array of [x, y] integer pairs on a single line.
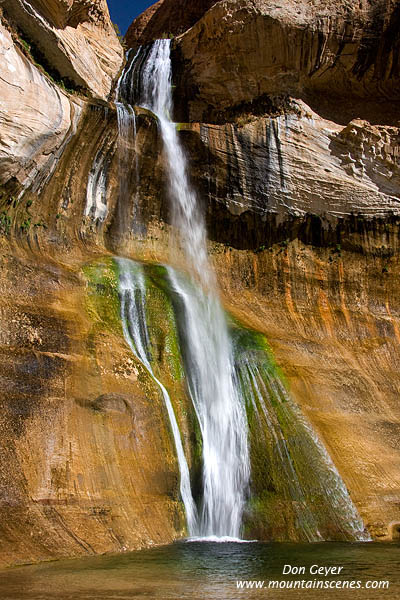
[[325, 54], [37, 120], [75, 39], [301, 191]]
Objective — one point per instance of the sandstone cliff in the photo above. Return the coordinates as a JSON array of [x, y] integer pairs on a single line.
[[341, 58], [74, 38], [166, 18], [292, 132], [37, 121]]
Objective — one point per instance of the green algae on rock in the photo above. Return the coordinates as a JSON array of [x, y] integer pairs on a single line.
[[296, 492]]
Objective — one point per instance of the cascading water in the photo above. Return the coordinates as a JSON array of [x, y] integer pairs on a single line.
[[219, 409], [298, 462], [219, 386], [154, 85], [96, 191], [127, 130], [133, 316], [293, 479]]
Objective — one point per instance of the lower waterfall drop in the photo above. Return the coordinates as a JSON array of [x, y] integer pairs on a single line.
[[294, 479], [219, 408], [132, 292]]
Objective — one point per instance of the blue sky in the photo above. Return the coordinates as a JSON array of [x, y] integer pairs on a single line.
[[124, 11]]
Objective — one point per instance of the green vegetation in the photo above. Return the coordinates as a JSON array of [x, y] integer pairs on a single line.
[[5, 223], [25, 45], [39, 60], [120, 36], [102, 302], [288, 485], [25, 225], [40, 224], [338, 249], [162, 325]]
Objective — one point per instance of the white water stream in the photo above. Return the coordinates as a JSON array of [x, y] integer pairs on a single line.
[[221, 414], [127, 131], [132, 291]]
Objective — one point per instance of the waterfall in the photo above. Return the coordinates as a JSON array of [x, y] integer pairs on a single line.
[[127, 130], [295, 471], [132, 291], [155, 89], [303, 469], [219, 409], [96, 191], [220, 386], [126, 133]]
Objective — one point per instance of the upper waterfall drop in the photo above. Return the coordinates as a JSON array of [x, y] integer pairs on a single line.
[[153, 85], [129, 213]]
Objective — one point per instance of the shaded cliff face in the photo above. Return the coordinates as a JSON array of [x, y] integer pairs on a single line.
[[166, 18], [325, 54], [301, 200], [295, 176]]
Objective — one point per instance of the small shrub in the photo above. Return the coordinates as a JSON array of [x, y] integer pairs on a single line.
[[25, 225], [119, 36], [25, 45], [5, 223]]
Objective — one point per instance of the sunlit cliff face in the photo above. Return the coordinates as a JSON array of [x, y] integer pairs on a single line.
[[298, 181]]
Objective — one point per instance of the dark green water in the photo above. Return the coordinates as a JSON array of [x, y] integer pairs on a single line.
[[208, 571]]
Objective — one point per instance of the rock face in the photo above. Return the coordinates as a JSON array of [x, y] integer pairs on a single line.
[[300, 188], [332, 319], [322, 53], [75, 39], [85, 472], [37, 119], [165, 18], [266, 173]]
